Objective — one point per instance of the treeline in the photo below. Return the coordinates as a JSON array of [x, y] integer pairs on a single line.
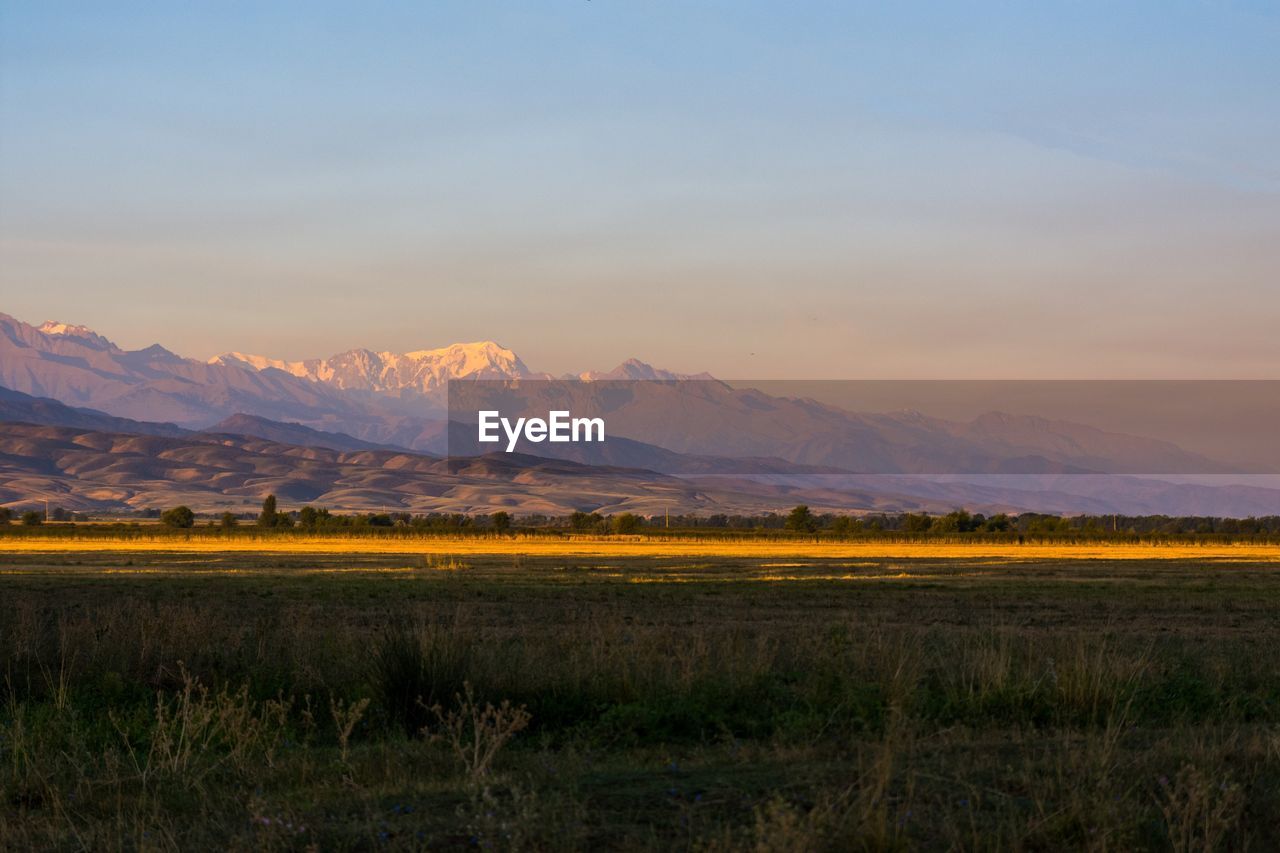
[[960, 521], [800, 521]]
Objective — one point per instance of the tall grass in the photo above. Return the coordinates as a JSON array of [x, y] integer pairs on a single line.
[[463, 709], [416, 666]]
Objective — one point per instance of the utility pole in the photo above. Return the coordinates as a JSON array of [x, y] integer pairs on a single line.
[[46, 510]]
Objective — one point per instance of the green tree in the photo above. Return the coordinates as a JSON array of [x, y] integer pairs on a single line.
[[916, 522], [626, 523], [229, 520], [801, 520], [6, 515], [583, 521], [843, 526], [179, 516], [31, 518], [501, 521], [998, 523], [308, 517], [269, 516], [958, 521]]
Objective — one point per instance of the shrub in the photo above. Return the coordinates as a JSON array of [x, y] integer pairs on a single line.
[[475, 732]]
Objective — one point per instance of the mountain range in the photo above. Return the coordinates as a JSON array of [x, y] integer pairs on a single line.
[[696, 437], [399, 400], [229, 468], [424, 372]]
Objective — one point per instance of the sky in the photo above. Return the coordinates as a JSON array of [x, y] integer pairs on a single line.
[[756, 189]]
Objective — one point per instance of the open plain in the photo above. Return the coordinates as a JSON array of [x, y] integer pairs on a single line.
[[167, 693]]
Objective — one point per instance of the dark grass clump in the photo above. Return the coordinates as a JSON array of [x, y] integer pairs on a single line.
[[415, 667]]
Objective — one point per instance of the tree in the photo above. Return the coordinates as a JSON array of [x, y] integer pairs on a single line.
[[842, 526], [501, 521], [583, 521], [916, 522], [31, 518], [998, 523], [626, 523], [229, 520], [6, 515], [957, 521], [308, 517], [179, 516], [269, 516], [801, 520]]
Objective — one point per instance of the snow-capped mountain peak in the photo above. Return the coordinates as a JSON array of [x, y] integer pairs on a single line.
[[260, 362], [67, 330], [421, 371], [476, 359]]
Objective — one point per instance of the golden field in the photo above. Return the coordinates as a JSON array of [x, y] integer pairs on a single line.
[[618, 546]]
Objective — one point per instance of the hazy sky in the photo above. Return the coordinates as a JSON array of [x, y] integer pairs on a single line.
[[818, 189]]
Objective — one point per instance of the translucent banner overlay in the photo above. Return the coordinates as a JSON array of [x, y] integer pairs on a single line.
[[1221, 430]]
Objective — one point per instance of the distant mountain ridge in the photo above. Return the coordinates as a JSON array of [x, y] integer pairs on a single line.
[[635, 369], [17, 407], [104, 470], [423, 371], [389, 399], [381, 397], [292, 433], [79, 367], [87, 470]]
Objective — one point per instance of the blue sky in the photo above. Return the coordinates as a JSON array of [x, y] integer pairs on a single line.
[[755, 189]]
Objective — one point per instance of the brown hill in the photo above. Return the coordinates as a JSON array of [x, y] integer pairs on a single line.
[[86, 470]]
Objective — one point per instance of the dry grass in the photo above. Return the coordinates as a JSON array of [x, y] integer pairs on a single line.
[[263, 701], [446, 550]]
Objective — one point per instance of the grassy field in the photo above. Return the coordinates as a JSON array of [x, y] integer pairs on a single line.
[[584, 694], [577, 546]]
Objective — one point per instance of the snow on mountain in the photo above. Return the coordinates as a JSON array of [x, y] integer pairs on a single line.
[[396, 398], [421, 371], [425, 371], [261, 362], [79, 367], [53, 327]]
